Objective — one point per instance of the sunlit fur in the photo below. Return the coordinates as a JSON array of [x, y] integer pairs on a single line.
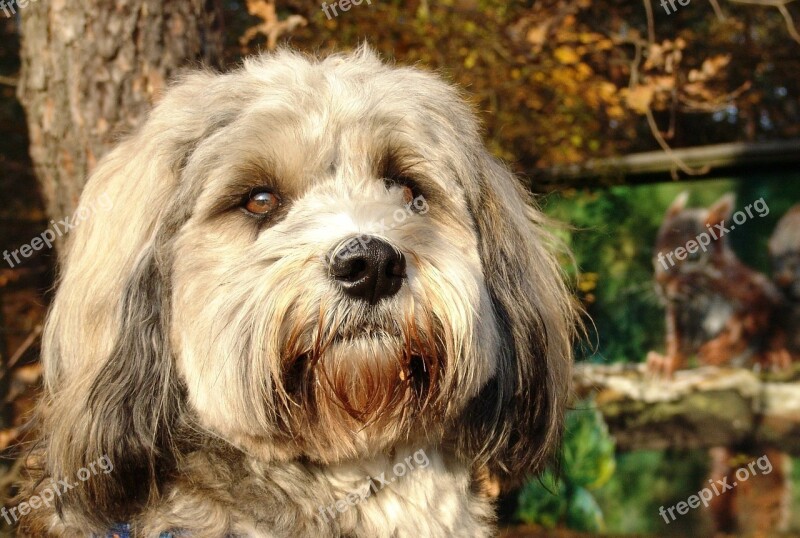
[[234, 387]]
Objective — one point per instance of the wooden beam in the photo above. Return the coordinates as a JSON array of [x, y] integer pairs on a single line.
[[656, 166]]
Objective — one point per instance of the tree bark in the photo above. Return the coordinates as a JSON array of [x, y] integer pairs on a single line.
[[91, 69]]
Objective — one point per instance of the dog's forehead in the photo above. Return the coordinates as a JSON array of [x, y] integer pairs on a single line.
[[688, 223], [350, 83], [299, 146], [320, 121], [360, 96], [306, 125]]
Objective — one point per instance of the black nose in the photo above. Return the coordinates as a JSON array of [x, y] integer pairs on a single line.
[[367, 268]]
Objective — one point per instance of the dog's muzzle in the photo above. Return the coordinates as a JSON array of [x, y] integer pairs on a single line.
[[368, 269]]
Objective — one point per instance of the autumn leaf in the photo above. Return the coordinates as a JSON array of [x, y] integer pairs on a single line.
[[469, 61], [710, 68], [607, 90], [566, 55], [271, 26], [537, 35], [639, 98], [698, 89], [663, 83]]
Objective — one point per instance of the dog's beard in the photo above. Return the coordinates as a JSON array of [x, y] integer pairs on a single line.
[[371, 369], [360, 370]]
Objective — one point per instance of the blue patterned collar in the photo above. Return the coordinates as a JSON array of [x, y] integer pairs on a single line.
[[123, 530]]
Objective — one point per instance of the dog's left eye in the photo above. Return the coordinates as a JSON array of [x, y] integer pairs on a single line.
[[262, 202]]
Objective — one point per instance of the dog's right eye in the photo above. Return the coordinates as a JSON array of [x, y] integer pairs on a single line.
[[410, 188], [262, 202]]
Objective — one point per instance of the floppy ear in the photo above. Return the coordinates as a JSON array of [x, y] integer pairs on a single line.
[[123, 411], [515, 424], [110, 385]]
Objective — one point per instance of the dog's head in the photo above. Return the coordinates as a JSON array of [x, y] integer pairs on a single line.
[[784, 250], [311, 259], [690, 241]]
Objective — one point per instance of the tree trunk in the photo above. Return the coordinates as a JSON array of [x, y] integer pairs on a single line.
[[91, 69]]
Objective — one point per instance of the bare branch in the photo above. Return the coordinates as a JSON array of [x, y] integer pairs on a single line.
[[717, 10], [29, 341], [789, 22], [637, 60], [685, 168], [651, 28], [717, 104], [781, 6]]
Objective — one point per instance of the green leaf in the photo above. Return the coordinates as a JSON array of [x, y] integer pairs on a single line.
[[543, 502], [583, 513], [588, 448]]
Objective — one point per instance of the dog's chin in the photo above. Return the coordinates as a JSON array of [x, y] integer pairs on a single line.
[[369, 376], [360, 393]]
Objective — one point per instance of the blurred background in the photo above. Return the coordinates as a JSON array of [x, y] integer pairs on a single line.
[[607, 110]]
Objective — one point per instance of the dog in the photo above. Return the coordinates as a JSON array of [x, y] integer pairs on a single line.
[[784, 249], [718, 309], [314, 273]]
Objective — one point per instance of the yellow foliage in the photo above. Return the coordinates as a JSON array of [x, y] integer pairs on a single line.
[[639, 98], [566, 55]]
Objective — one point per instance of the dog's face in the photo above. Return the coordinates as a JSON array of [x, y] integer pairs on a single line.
[[311, 259], [328, 293], [784, 249], [687, 244]]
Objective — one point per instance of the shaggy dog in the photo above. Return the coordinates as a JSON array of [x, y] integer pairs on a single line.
[[314, 275]]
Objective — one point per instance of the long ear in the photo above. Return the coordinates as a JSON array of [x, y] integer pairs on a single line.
[[515, 424], [110, 388], [123, 412]]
